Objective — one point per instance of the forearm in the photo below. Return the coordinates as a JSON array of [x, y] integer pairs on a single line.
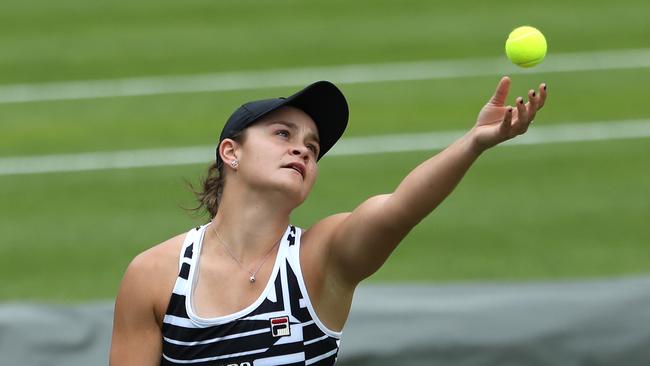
[[425, 187], [367, 236]]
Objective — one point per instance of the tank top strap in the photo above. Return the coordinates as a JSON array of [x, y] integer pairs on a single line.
[[176, 312], [186, 253], [292, 239], [185, 259], [293, 258]]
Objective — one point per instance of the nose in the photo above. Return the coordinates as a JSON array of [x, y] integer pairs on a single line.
[[300, 151]]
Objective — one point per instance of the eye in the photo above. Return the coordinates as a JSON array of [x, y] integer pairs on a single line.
[[283, 133], [313, 149]]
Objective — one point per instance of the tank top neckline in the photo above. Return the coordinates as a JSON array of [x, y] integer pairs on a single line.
[[193, 277]]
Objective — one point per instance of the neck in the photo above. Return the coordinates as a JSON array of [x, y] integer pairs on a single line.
[[248, 225]]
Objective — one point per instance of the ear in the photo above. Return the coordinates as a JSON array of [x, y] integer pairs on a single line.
[[228, 150]]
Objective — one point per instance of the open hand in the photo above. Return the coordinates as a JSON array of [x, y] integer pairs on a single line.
[[497, 122]]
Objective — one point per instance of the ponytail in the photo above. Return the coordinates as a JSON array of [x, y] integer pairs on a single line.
[[209, 195]]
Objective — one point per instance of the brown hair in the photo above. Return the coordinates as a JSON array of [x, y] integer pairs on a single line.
[[211, 189]]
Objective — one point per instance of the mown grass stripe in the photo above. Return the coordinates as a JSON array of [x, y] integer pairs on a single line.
[[342, 74], [567, 132]]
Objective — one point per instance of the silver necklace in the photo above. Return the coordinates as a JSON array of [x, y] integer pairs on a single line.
[[251, 279]]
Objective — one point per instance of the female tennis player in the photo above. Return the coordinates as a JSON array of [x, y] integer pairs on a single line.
[[248, 288]]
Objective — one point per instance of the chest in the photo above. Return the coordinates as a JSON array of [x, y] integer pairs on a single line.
[[267, 321], [222, 287]]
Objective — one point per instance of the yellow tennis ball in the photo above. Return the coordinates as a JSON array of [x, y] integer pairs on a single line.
[[526, 46]]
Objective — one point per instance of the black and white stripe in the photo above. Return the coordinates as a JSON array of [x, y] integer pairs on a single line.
[[245, 337]]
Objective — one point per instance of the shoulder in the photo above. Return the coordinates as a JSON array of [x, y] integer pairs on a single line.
[[337, 229], [150, 277], [141, 303], [324, 230], [316, 243], [158, 259], [317, 237]]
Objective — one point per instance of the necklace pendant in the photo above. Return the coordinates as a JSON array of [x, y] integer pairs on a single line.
[[252, 279]]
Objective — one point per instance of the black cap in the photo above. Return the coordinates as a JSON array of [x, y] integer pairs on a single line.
[[322, 101]]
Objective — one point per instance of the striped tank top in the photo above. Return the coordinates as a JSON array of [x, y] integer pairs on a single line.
[[279, 328]]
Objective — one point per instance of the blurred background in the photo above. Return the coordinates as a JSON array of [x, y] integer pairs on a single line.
[[109, 108]]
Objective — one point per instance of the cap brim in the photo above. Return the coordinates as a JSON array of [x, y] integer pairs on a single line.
[[326, 105]]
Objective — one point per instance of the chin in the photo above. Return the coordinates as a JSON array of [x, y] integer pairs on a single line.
[[292, 189]]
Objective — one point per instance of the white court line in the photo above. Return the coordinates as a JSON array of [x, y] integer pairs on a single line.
[[568, 132], [343, 74]]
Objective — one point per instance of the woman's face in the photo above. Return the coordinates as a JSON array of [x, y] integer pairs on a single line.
[[280, 152]]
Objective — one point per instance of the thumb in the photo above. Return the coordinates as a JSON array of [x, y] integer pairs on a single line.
[[501, 93]]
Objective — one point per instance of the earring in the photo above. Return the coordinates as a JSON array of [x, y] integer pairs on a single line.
[[235, 163]]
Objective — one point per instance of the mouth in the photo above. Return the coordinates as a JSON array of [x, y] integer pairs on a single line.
[[297, 167]]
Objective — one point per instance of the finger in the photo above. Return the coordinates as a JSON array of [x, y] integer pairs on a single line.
[[501, 93], [542, 96], [532, 105], [507, 121], [521, 124]]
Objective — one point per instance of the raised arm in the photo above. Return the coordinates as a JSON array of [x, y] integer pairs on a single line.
[[362, 240]]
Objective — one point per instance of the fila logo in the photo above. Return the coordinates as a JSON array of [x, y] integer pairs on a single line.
[[280, 326]]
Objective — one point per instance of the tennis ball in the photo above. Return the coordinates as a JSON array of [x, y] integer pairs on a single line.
[[526, 46]]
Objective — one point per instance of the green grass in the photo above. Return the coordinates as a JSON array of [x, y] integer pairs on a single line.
[[76, 39], [523, 212], [376, 108]]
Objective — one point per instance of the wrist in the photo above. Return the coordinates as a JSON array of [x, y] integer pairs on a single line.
[[473, 143]]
